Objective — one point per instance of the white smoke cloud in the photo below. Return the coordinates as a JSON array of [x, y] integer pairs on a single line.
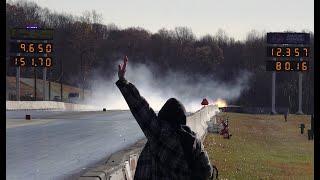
[[186, 88]]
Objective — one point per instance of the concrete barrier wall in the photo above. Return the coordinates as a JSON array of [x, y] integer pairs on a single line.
[[47, 105], [198, 120], [122, 165]]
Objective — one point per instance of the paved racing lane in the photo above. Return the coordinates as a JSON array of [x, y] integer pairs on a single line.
[[65, 143]]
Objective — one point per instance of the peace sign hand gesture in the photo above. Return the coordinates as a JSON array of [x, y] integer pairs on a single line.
[[122, 68]]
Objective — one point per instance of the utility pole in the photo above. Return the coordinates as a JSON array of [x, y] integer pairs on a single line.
[[49, 81], [82, 68], [44, 82], [7, 89], [18, 84], [273, 99], [49, 90], [289, 102], [35, 83], [82, 72], [300, 94], [61, 75], [7, 83]]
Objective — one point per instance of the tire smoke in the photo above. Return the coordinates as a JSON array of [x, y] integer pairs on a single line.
[[190, 90]]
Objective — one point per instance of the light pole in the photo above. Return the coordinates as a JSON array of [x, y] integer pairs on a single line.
[[82, 70], [7, 83], [60, 79]]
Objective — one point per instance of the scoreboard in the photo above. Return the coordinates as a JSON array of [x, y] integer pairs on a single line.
[[287, 52], [31, 34], [278, 51], [31, 47], [290, 52]]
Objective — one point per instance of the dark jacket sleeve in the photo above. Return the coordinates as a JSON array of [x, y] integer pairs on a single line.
[[202, 166], [195, 155], [143, 113]]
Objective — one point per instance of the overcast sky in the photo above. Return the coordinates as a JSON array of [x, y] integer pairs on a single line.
[[236, 17]]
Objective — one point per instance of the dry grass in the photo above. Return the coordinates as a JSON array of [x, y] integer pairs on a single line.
[[263, 147]]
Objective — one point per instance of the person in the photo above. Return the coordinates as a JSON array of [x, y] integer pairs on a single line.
[[172, 150], [302, 126], [225, 130], [285, 114]]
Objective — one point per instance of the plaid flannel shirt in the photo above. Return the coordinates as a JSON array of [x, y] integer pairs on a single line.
[[162, 157]]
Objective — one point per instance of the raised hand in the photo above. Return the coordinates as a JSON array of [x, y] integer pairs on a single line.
[[122, 68]]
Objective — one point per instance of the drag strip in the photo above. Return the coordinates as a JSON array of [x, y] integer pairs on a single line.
[[64, 143]]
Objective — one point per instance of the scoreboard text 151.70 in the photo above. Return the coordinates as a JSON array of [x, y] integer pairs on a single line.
[[31, 61]]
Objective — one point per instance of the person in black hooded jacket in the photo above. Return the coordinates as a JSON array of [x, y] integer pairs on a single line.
[[173, 150]]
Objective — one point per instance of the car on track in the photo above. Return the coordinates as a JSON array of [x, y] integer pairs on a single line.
[[74, 97]]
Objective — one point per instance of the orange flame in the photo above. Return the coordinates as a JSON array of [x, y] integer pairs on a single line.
[[220, 103]]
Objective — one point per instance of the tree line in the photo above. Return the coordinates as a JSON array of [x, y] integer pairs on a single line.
[[216, 56]]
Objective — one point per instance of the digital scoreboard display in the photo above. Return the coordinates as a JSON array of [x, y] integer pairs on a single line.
[[31, 34], [289, 52], [31, 48], [288, 38], [28, 47], [31, 61], [287, 66]]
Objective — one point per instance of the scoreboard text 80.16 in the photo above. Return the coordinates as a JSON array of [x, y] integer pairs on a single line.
[[287, 66]]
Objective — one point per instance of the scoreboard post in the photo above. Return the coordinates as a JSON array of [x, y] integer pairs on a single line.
[[289, 53], [18, 83], [31, 47]]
